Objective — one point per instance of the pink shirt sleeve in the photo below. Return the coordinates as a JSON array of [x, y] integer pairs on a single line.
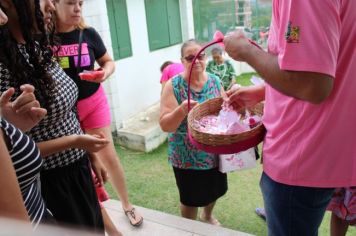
[[165, 75], [171, 70], [309, 35]]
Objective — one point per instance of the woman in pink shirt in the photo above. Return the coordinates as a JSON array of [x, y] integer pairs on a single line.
[[169, 70]]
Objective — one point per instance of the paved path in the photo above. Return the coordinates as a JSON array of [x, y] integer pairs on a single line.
[[157, 223]]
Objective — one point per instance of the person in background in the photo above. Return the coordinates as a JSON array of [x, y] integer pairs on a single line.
[[343, 208], [222, 68], [196, 172], [93, 107], [20, 159], [169, 70], [11, 201], [309, 115], [66, 183]]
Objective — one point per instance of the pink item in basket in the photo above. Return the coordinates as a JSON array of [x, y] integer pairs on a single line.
[[227, 122], [236, 128], [227, 117]]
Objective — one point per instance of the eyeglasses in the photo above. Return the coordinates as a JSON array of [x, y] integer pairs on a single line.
[[191, 57]]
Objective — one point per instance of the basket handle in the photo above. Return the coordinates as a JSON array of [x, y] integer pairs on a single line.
[[215, 41]]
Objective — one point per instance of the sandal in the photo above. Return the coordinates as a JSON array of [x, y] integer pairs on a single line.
[[130, 214], [261, 212]]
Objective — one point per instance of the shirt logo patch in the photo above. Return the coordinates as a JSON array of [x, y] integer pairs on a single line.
[[292, 34], [84, 61], [64, 62]]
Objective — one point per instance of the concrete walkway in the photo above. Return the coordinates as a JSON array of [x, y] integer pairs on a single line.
[[157, 223]]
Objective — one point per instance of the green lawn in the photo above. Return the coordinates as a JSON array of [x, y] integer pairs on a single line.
[[244, 79], [151, 184]]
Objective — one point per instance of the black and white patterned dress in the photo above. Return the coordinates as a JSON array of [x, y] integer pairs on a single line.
[[27, 164], [66, 182], [61, 119]]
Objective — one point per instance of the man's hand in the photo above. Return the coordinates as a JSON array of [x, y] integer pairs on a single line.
[[237, 45], [25, 112], [245, 97]]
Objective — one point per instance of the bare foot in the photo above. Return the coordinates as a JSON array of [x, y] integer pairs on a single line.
[[210, 220]]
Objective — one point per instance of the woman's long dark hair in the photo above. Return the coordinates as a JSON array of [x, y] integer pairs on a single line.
[[33, 69]]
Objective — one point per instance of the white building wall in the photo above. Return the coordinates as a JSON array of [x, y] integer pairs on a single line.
[[135, 84], [95, 14]]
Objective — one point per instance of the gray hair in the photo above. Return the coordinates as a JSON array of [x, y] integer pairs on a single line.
[[218, 50], [188, 43]]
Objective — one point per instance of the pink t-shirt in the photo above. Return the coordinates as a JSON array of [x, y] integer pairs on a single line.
[[171, 71], [307, 144]]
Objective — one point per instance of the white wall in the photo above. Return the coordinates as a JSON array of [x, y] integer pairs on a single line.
[[135, 84], [95, 13]]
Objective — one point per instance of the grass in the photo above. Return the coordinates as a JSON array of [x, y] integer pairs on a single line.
[[244, 79], [151, 184]]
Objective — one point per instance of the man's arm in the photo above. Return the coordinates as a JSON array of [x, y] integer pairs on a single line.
[[307, 86]]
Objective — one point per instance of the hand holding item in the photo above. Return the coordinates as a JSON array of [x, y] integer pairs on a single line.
[[184, 106], [101, 175], [237, 45], [96, 76], [244, 97]]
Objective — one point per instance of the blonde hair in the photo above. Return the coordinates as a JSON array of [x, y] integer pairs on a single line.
[[82, 25]]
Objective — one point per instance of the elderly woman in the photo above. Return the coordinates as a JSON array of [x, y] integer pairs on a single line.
[[221, 67], [198, 180]]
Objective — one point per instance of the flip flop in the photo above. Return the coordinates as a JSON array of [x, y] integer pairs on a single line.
[[261, 212], [130, 214]]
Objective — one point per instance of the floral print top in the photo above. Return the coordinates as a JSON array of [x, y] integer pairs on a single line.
[[224, 71], [181, 153]]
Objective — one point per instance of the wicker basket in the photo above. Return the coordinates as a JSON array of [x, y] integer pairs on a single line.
[[229, 142], [220, 143]]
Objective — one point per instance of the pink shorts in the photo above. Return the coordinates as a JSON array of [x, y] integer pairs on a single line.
[[94, 111]]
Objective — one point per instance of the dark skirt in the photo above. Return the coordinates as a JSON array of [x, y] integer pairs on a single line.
[[70, 195], [199, 188]]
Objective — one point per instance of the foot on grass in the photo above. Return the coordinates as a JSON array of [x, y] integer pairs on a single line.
[[210, 220]]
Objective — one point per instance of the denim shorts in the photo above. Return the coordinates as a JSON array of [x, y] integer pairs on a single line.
[[293, 210]]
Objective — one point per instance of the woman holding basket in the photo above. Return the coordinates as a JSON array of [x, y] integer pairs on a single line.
[[198, 180]]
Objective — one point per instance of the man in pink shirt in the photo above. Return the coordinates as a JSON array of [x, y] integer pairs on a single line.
[[310, 114]]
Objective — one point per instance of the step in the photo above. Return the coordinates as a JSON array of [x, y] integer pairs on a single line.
[[142, 132], [158, 223]]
